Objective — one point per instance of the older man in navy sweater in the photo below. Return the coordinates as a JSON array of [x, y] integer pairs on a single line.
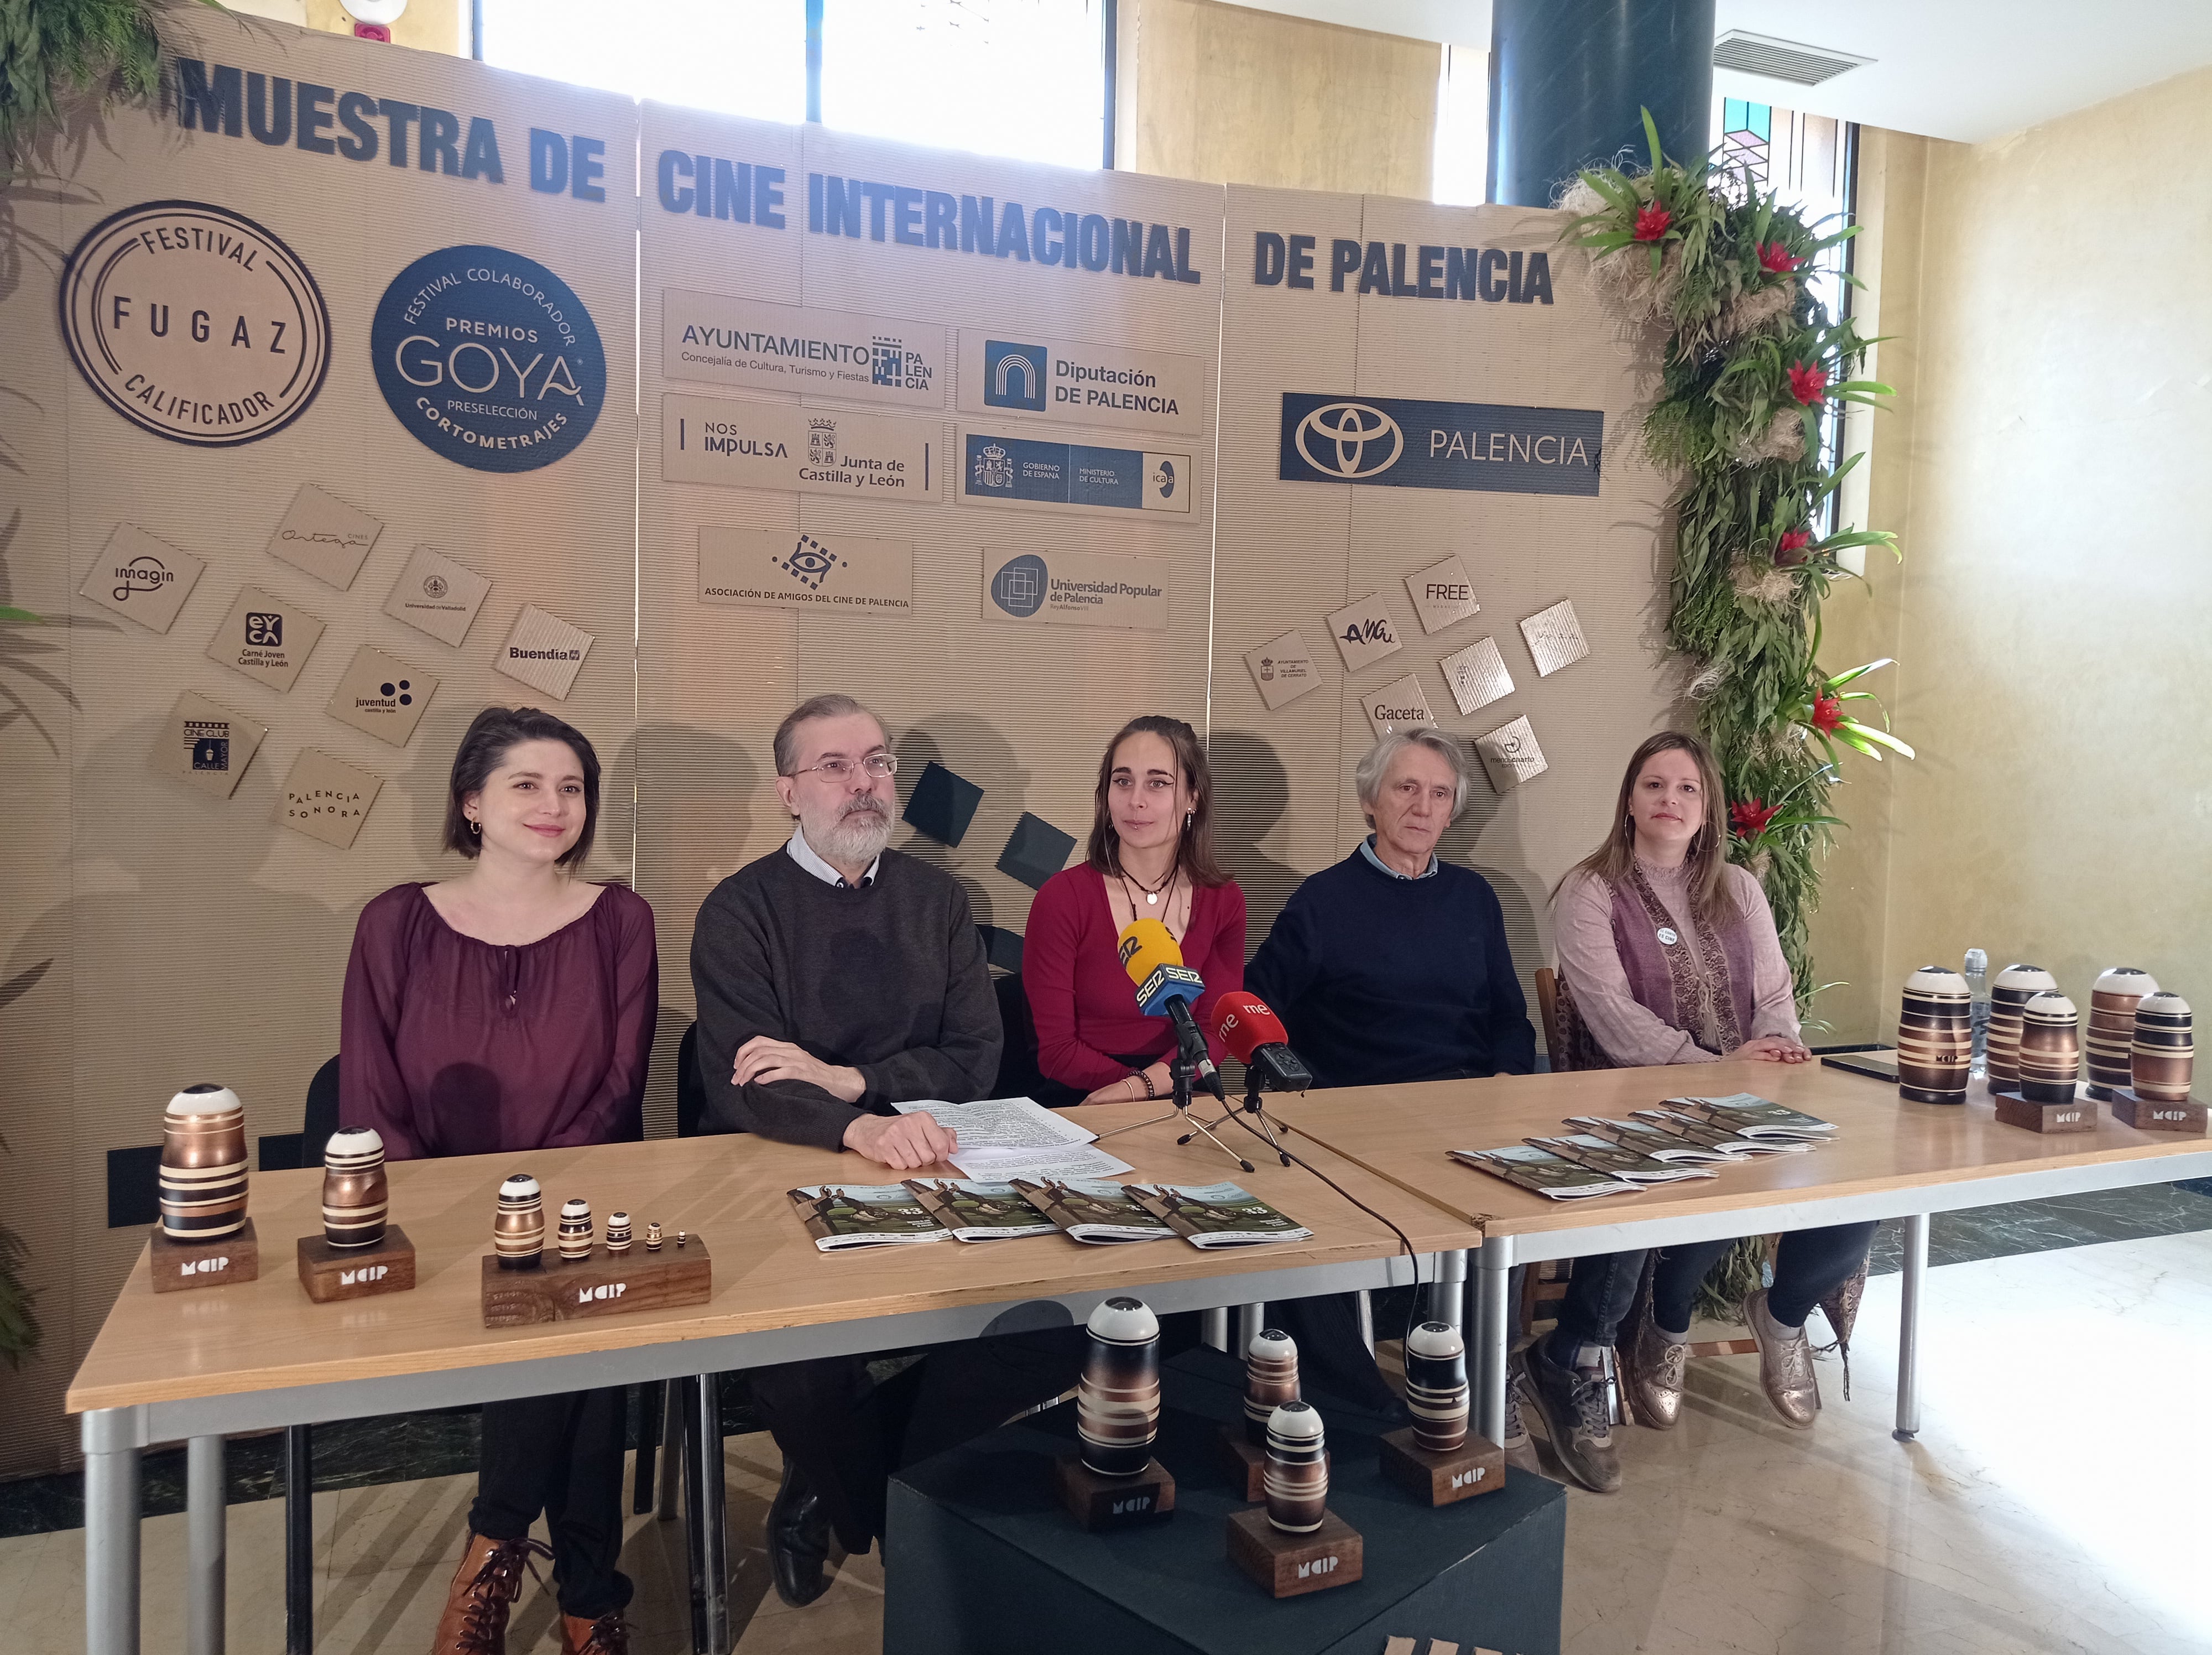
[[1391, 967]]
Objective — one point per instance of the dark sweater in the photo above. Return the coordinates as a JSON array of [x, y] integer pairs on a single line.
[[1382, 980], [888, 979]]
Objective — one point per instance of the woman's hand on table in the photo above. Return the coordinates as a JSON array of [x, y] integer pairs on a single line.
[[1129, 1089], [1774, 1049]]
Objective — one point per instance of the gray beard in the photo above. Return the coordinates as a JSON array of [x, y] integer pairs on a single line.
[[855, 839]]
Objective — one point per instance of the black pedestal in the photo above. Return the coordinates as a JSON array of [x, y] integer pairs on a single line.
[[982, 1559]]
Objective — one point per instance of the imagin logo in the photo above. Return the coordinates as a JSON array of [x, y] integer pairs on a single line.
[[142, 574], [1014, 376], [488, 358], [1020, 587], [1350, 439]]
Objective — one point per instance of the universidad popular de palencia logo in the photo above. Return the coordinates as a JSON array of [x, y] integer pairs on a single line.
[[488, 358]]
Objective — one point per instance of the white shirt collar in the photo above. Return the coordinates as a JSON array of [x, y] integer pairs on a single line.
[[1367, 850], [804, 855]]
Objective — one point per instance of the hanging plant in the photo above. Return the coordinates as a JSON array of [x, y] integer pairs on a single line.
[[51, 50]]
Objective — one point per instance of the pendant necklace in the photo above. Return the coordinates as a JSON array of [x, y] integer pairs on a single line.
[[1152, 897]]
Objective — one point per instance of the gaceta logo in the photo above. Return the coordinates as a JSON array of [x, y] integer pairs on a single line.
[[1350, 439]]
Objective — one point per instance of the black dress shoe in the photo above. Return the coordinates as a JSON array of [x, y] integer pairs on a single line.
[[798, 1539]]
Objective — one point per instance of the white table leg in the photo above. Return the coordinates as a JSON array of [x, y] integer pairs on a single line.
[[206, 1514], [113, 1438], [1908, 1328], [1446, 1296], [1250, 1318], [704, 1498], [1213, 1327], [1493, 1276], [1367, 1320]]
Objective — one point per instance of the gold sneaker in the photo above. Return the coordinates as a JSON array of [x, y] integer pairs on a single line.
[[1785, 1365], [1651, 1367]]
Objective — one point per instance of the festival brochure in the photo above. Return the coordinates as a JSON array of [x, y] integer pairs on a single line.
[[1648, 1140], [1092, 1210], [1692, 1130], [1750, 1115], [842, 1215], [1216, 1214], [1542, 1171], [978, 1212], [1616, 1160]]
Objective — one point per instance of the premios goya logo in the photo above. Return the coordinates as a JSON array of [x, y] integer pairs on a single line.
[[195, 323], [488, 358]]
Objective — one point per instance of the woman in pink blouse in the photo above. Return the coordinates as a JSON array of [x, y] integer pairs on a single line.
[[1668, 954], [508, 1009]]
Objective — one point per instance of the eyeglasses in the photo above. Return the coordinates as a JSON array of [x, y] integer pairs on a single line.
[[839, 770]]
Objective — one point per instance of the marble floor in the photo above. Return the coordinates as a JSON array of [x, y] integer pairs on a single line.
[[2052, 1503]]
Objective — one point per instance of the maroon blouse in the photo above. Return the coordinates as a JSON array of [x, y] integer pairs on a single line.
[[450, 1046]]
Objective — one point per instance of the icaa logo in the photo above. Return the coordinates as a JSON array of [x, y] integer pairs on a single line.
[[1350, 439]]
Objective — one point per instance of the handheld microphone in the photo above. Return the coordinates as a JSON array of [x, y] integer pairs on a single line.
[[1256, 1038], [1166, 987]]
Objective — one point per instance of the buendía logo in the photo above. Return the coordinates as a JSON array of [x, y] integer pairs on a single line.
[[1350, 439]]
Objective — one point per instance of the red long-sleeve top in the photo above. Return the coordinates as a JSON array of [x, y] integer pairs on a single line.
[[1082, 1001]]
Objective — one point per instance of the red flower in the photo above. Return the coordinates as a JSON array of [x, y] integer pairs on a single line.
[[1789, 551], [1777, 260], [1651, 221], [1807, 384], [1827, 713], [1750, 817]]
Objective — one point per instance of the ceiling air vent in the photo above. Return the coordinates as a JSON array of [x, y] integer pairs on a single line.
[[1781, 60]]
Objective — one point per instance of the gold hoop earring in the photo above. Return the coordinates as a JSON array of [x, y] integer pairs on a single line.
[[476, 829]]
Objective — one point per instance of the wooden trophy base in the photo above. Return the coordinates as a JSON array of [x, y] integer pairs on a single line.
[[1292, 1565], [1244, 1465], [1475, 1467], [606, 1284], [330, 1274], [2144, 1116], [1097, 1502], [2013, 1110], [181, 1264]]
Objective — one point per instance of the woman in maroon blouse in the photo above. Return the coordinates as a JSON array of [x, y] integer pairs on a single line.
[[510, 1009], [1150, 857]]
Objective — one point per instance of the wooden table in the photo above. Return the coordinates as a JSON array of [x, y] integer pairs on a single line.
[[201, 1364], [1890, 1159]]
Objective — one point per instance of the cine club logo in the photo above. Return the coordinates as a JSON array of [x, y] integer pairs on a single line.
[[808, 562], [1013, 375], [1349, 442], [195, 323], [209, 743], [488, 358], [1020, 587]]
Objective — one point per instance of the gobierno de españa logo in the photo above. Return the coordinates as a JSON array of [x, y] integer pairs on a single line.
[[488, 358]]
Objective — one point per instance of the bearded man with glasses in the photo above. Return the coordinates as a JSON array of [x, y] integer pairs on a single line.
[[835, 978]]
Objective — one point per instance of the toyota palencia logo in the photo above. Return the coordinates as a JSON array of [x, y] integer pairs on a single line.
[[1350, 439]]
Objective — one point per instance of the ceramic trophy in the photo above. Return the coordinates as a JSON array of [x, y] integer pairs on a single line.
[[574, 1238], [1935, 1036], [202, 1181], [2165, 1049], [618, 1234], [1436, 1387], [2049, 1049], [1298, 1469], [1271, 1378], [2009, 993], [356, 1199], [1117, 1401], [2109, 1040], [518, 1233]]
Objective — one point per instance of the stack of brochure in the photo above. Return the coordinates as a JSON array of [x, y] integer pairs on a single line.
[[841, 1216], [1648, 1140], [1205, 1215], [1547, 1174], [979, 1211], [1747, 1115], [1617, 1160]]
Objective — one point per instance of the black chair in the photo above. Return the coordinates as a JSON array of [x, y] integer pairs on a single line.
[[691, 1094], [1019, 1073], [319, 1120], [663, 1408]]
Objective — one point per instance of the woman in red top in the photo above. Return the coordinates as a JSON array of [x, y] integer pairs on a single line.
[[1150, 857], [511, 1008]]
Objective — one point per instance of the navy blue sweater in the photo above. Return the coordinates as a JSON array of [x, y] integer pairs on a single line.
[[1382, 980]]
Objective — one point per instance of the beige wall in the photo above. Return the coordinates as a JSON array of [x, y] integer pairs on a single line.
[[426, 25], [2049, 611], [1231, 95]]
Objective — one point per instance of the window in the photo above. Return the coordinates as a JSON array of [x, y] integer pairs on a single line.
[[1462, 159], [736, 59]]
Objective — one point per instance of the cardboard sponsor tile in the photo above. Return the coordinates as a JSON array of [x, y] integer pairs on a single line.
[[1035, 851], [140, 575], [1442, 594], [1075, 588], [943, 804], [1365, 632], [1477, 675], [793, 569], [1510, 755], [1398, 706], [322, 535], [266, 637], [207, 745], [1555, 638], [382, 695], [326, 798], [543, 651], [438, 595], [1283, 668]]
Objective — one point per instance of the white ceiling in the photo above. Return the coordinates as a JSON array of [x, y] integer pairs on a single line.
[[1969, 69]]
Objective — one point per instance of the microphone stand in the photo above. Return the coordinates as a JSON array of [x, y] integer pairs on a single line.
[[1182, 1071], [1253, 1106]]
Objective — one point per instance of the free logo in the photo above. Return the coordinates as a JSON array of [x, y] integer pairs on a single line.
[[195, 323], [140, 574], [1020, 587], [995, 467], [808, 562], [1014, 376], [208, 740], [264, 632], [1350, 439], [488, 358]]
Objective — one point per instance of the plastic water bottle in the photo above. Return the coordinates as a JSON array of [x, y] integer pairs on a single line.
[[1977, 979]]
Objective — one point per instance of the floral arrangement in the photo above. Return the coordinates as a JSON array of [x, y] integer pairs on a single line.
[[1753, 368]]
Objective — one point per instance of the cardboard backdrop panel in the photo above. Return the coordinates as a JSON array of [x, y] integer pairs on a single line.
[[320, 402]]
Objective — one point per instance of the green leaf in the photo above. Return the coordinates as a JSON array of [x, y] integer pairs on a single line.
[[20, 616], [1868, 733], [1842, 679]]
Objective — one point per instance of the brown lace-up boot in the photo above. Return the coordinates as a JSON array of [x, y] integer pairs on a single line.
[[484, 1589], [607, 1635]]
